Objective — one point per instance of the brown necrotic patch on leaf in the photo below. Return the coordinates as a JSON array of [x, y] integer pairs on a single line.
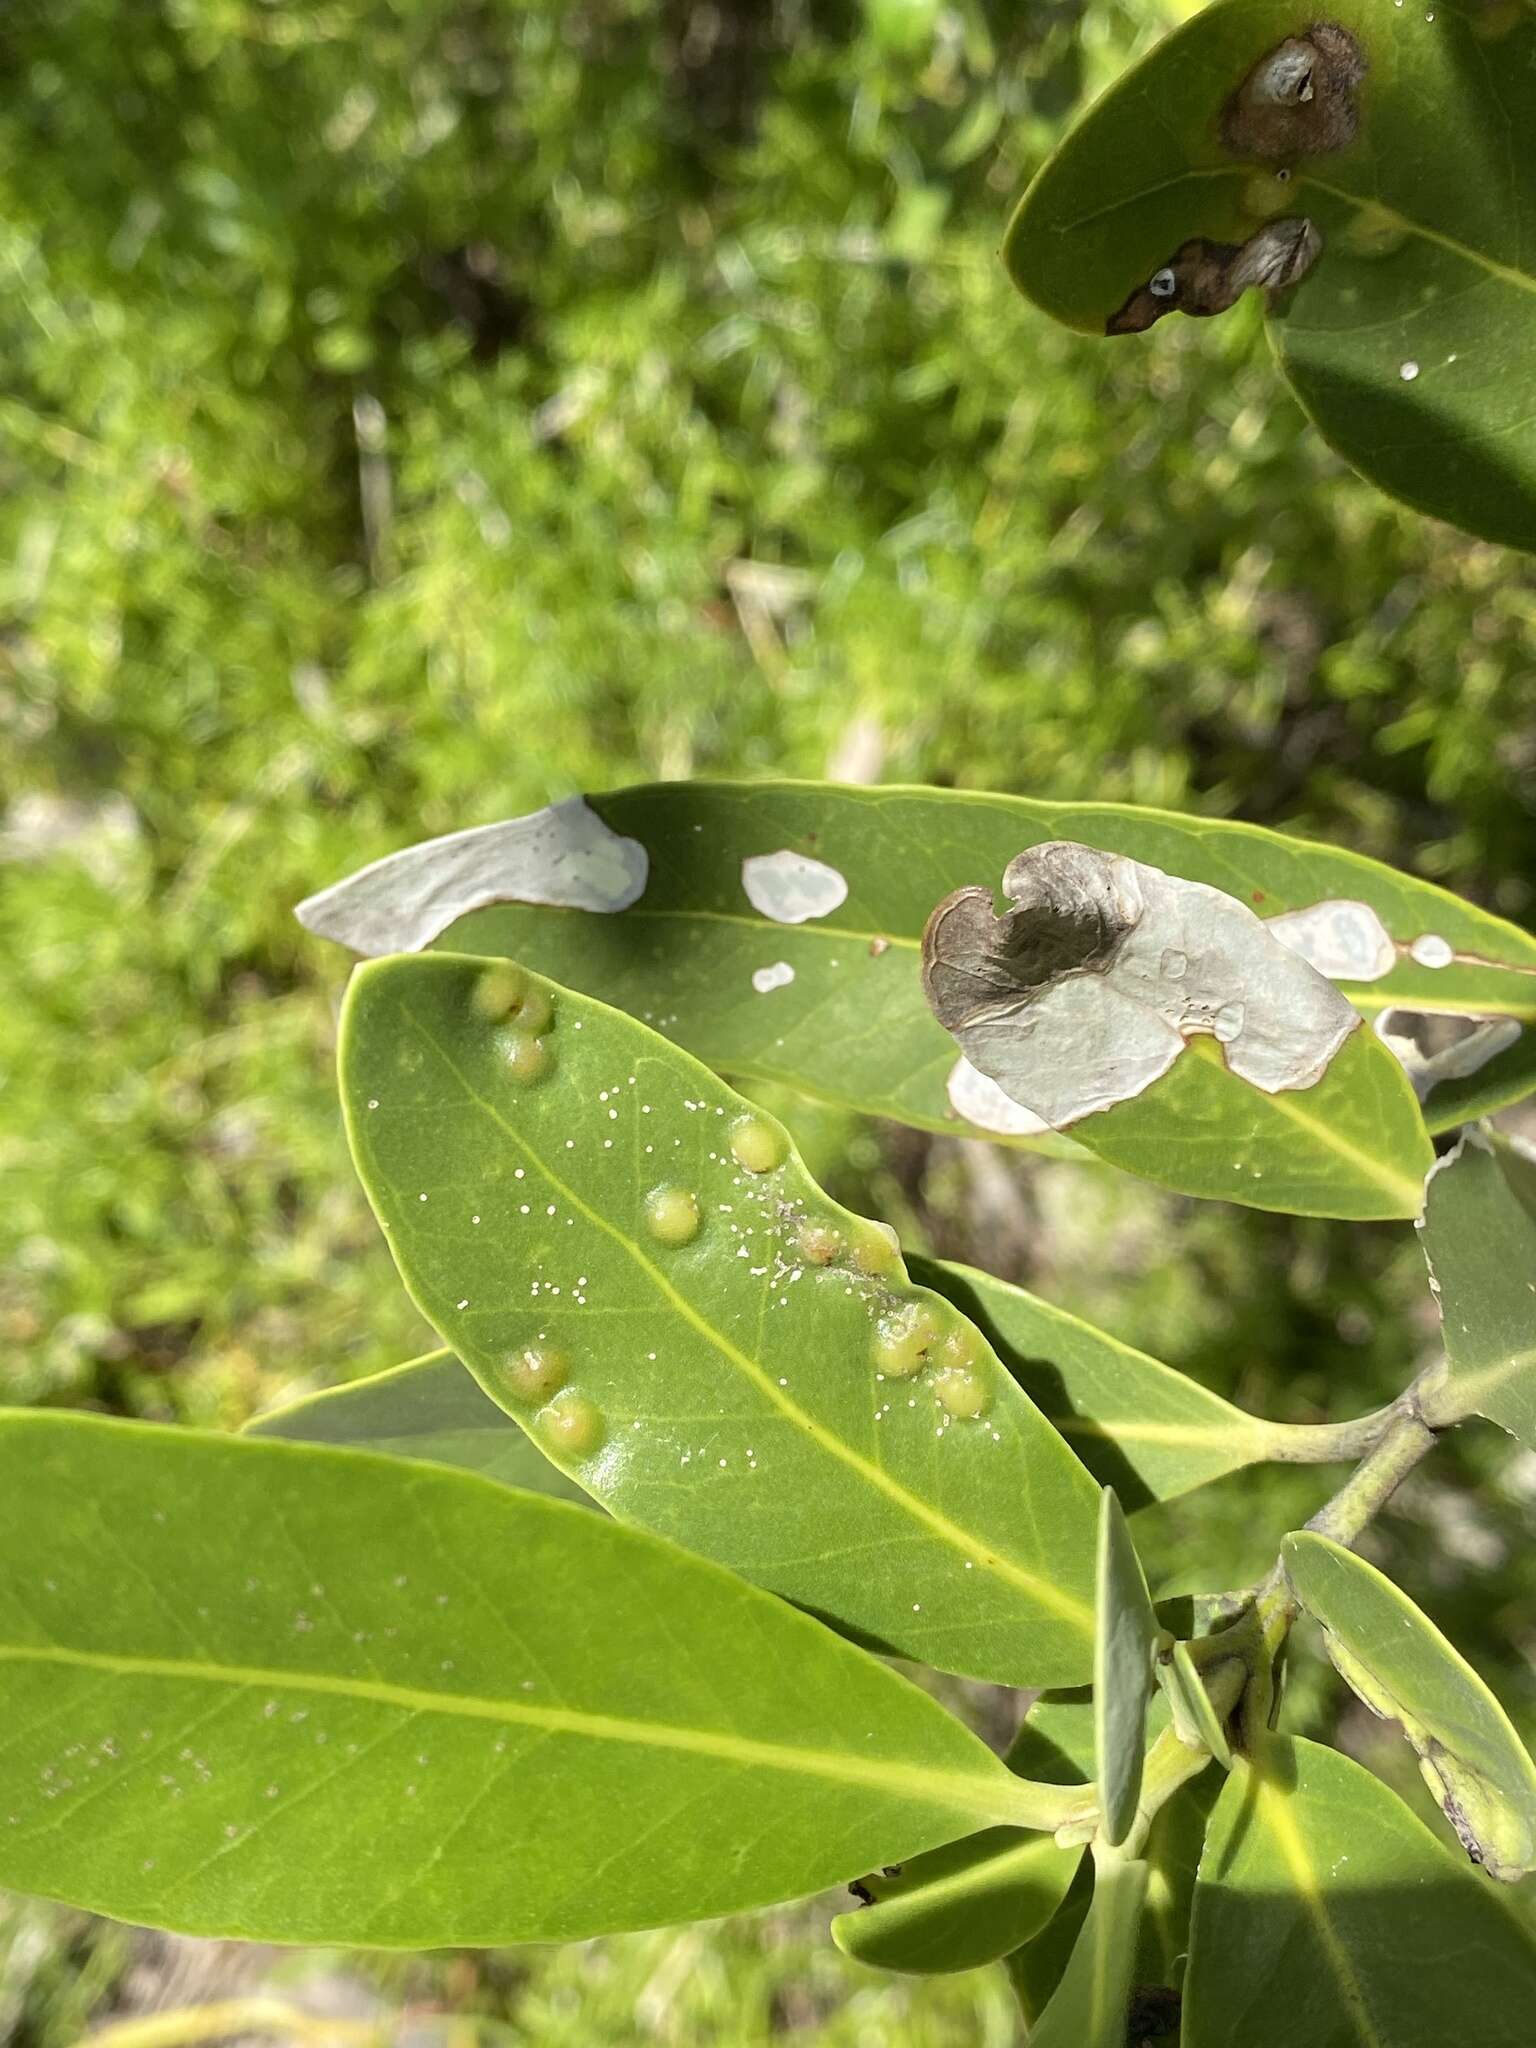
[[1066, 915], [1087, 988], [1299, 99], [1202, 278]]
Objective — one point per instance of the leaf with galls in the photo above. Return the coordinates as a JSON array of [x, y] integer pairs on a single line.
[[1401, 133], [640, 1272]]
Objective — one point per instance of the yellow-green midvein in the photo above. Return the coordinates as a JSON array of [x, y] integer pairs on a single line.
[[1067, 1605], [997, 1797], [1270, 1802], [1406, 1187], [1389, 216]]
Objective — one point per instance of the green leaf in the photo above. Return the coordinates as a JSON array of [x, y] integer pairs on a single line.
[[853, 1026], [1035, 1971], [1126, 1641], [969, 1903], [1327, 1916], [1353, 1146], [976, 1900], [1054, 1743], [636, 1265], [1055, 1738], [1404, 1669], [289, 1693], [1410, 340], [1478, 1232], [433, 1408], [1150, 1432], [1088, 2008], [1193, 1714], [1171, 1856], [1138, 1425]]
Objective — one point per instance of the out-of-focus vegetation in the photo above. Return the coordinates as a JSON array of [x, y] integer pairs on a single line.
[[414, 410]]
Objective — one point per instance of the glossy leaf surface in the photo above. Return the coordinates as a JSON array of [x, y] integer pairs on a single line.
[[711, 1348], [1327, 1916], [432, 1408], [1125, 1643], [1150, 1432], [986, 1888], [955, 1908], [1404, 1669], [852, 1025], [1478, 1234], [1088, 2007], [1410, 340], [296, 1694], [1352, 1146]]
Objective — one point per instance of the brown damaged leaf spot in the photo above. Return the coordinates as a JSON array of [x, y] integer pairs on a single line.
[[1203, 278], [1087, 988], [1299, 99]]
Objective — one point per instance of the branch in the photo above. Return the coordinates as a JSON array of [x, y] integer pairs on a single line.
[[1373, 1482]]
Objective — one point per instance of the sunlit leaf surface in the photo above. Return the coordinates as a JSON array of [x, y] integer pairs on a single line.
[[1479, 1236], [1327, 1916], [294, 1694], [433, 1408], [637, 1267], [1406, 1671], [969, 1903], [1150, 1432], [833, 1004]]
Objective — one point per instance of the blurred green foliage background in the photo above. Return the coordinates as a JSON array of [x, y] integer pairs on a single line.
[[416, 410]]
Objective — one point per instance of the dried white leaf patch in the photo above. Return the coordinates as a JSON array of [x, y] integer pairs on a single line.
[[766, 979], [1343, 939], [564, 857], [1086, 990], [983, 1103], [1430, 950], [791, 888], [1432, 1047]]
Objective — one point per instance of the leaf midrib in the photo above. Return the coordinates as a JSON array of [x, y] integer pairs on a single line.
[[1293, 1850], [849, 935], [1009, 1800], [1473, 1388], [1506, 273], [1331, 1139], [1520, 280], [1186, 1435], [980, 1553]]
